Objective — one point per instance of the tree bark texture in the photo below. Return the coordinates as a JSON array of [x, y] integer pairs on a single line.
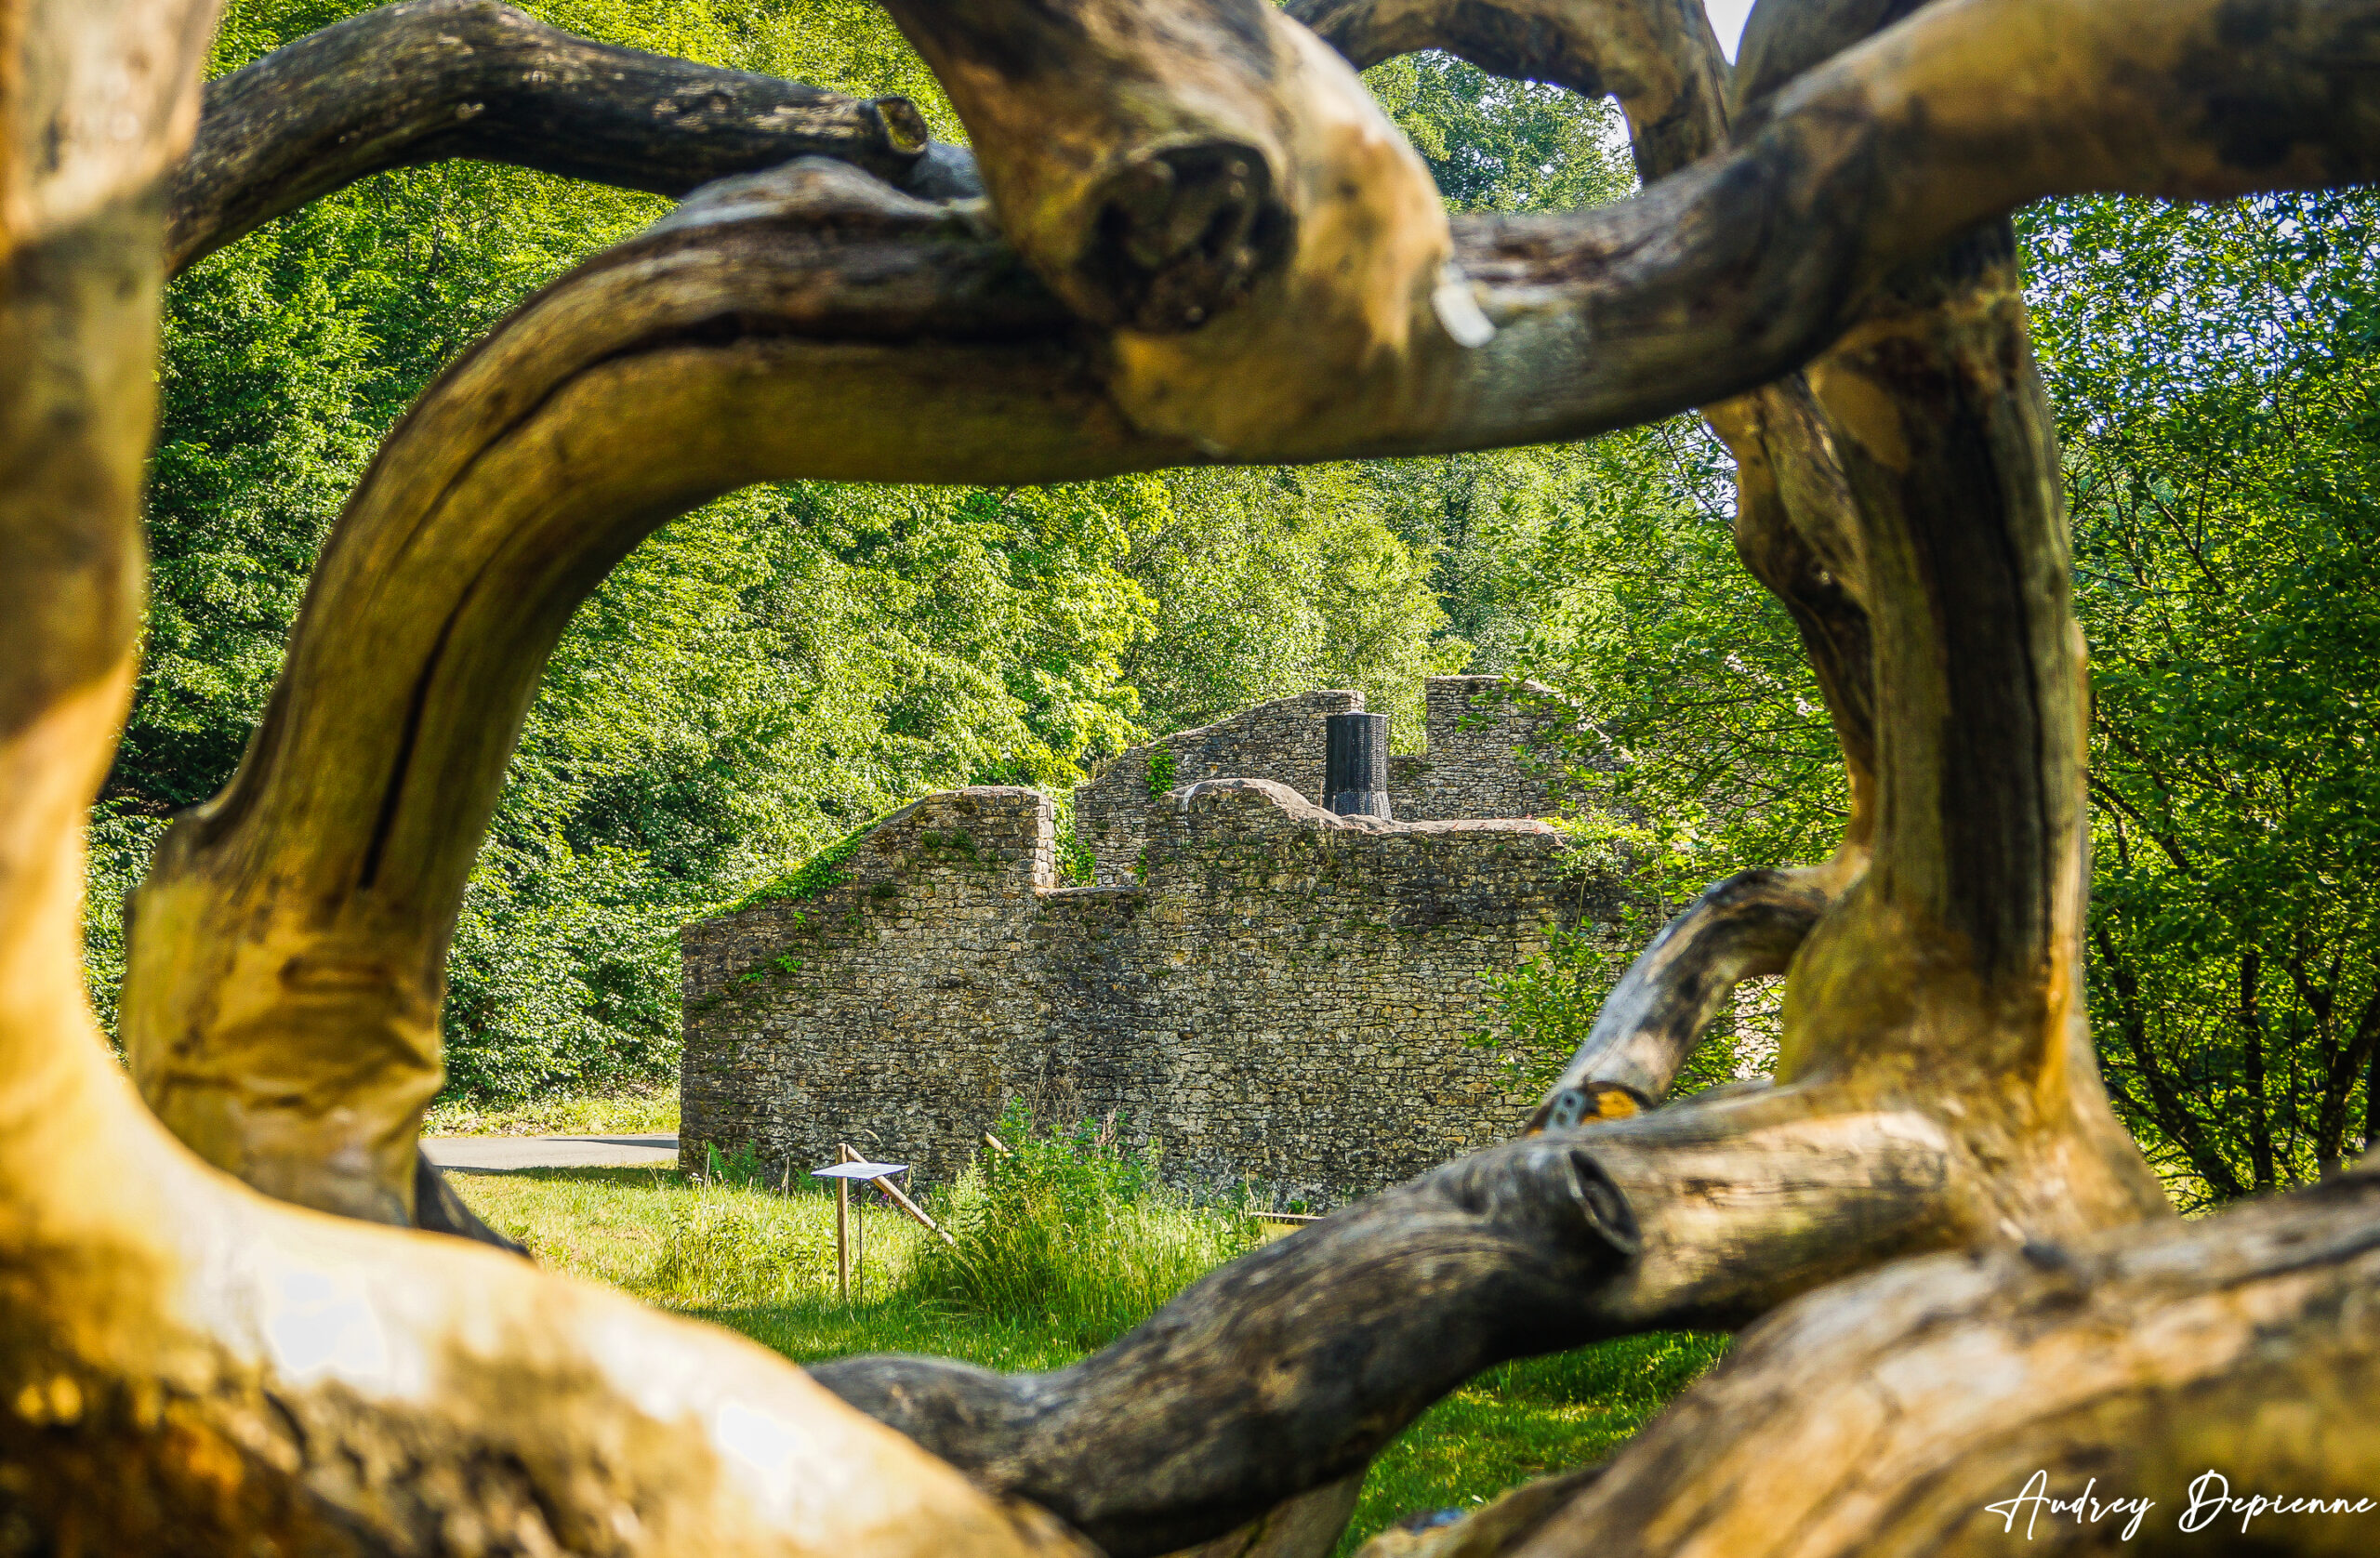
[[1749, 925], [187, 1368], [426, 80], [1882, 1417], [1708, 1213]]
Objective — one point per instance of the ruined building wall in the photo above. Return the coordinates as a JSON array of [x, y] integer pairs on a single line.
[[1491, 751], [1287, 998], [1282, 741], [1483, 760]]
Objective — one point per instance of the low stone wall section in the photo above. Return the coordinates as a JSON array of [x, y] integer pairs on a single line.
[[1283, 740], [1288, 999]]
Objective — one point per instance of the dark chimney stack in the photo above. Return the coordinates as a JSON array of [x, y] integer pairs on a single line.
[[1354, 772]]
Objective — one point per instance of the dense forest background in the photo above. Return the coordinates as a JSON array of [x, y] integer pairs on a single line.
[[787, 663]]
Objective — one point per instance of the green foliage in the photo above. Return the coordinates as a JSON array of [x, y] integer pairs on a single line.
[[1077, 862], [724, 1243], [2213, 371], [1545, 1006], [1528, 1418], [1496, 145], [764, 1264], [119, 844], [1070, 1230], [637, 1107], [768, 672], [821, 872], [1274, 582], [2216, 377], [1163, 761], [740, 1168]]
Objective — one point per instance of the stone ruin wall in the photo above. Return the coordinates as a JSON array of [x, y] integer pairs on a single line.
[[1285, 998], [1489, 751], [1483, 760]]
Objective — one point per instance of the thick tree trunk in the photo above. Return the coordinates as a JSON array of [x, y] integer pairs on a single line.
[[282, 997], [185, 1366], [1926, 1410]]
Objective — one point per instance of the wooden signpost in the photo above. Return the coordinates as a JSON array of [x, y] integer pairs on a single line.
[[851, 1274], [843, 1240]]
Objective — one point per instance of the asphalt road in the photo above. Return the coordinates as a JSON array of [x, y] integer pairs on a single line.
[[550, 1152]]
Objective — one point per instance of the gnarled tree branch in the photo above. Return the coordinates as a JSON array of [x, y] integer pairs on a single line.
[[1749, 925], [281, 1009], [1216, 186], [189, 1367], [1293, 1366], [817, 324], [427, 80], [2131, 1363], [1657, 56], [812, 321]]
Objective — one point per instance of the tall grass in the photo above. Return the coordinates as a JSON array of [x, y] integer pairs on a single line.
[[1071, 1231]]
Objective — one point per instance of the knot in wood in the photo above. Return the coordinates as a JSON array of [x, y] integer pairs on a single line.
[[904, 129], [1181, 235]]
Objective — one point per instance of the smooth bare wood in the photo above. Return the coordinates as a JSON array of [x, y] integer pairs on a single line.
[[2131, 1365], [1657, 56], [97, 100], [187, 1368], [1708, 1213], [1213, 185], [1794, 526], [1205, 243], [1179, 1433], [427, 80], [284, 973], [1307, 1526], [1749, 925], [288, 944]]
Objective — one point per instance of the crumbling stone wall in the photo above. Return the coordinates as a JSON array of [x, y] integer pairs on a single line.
[[1492, 751], [1488, 755], [1282, 741], [1287, 998]]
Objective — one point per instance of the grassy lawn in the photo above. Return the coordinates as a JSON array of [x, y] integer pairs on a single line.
[[764, 1264]]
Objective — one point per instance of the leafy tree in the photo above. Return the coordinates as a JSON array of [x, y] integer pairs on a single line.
[[2218, 395]]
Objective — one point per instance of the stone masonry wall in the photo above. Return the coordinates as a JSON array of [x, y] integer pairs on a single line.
[[1282, 741], [1284, 998], [1489, 752], [1478, 764]]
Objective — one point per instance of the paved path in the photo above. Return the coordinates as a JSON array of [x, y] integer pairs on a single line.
[[551, 1152]]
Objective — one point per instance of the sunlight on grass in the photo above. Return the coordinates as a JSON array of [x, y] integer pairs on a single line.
[[1526, 1419], [1052, 1271]]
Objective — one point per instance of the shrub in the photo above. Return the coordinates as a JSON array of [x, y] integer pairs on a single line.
[[1071, 1231], [1163, 762], [727, 1245]]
